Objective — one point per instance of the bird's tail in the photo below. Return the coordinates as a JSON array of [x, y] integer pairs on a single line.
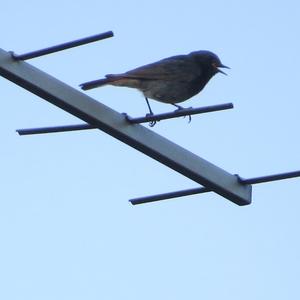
[[95, 83]]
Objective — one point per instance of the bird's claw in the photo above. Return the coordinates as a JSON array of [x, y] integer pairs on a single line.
[[151, 123], [183, 108], [190, 118]]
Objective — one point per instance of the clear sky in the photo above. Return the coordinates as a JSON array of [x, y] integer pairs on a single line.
[[67, 230]]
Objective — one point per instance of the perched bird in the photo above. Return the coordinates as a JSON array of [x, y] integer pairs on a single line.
[[171, 80]]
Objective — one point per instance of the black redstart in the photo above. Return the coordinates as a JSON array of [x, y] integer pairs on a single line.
[[171, 80]]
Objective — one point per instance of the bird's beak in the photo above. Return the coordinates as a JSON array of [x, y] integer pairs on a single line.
[[222, 66]]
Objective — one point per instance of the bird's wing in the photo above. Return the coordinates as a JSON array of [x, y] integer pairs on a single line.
[[166, 69]]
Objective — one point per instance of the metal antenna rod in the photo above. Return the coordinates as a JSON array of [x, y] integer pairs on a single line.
[[55, 129], [201, 190], [171, 195], [269, 178], [180, 113], [63, 46], [147, 118]]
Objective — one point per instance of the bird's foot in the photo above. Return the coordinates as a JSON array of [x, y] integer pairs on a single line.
[[178, 106], [151, 123], [190, 118], [183, 108]]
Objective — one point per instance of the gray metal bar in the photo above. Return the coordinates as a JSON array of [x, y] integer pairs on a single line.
[[201, 190], [148, 118], [63, 46], [137, 136]]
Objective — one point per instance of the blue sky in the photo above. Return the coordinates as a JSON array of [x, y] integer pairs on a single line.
[[67, 230]]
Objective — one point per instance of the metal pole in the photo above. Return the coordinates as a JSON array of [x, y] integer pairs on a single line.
[[147, 118], [170, 195], [201, 190], [180, 113], [63, 46], [41, 130], [269, 178]]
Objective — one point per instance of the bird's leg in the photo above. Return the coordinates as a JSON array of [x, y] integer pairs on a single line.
[[182, 108], [152, 123], [149, 107], [178, 106]]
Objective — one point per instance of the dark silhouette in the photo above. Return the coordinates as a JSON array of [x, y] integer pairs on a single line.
[[171, 80]]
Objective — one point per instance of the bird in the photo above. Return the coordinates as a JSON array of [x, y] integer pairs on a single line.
[[171, 80]]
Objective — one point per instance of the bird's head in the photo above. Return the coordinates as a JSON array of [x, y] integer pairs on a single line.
[[209, 61]]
